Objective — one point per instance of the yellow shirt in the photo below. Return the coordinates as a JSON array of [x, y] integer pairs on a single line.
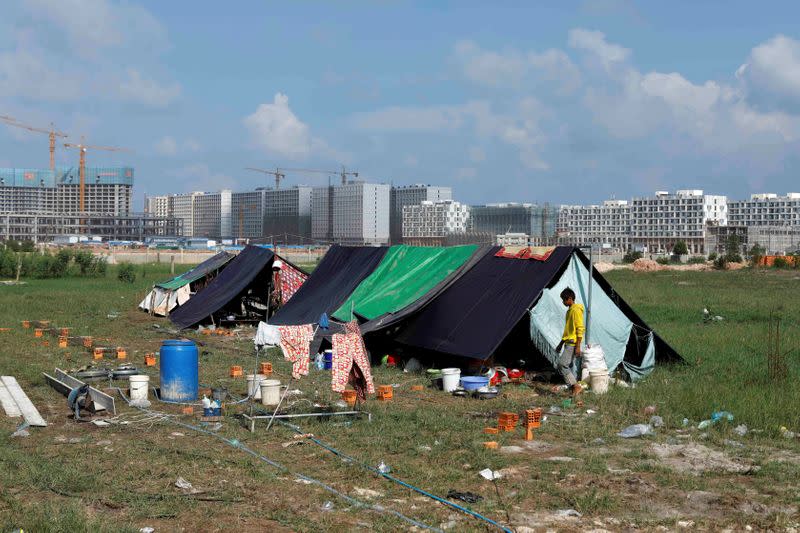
[[574, 327]]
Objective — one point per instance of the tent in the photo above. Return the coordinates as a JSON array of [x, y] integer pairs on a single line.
[[341, 270], [167, 295], [508, 307], [242, 290], [405, 274]]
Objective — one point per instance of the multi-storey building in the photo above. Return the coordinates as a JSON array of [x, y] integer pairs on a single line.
[[766, 209], [430, 223], [26, 190], [356, 213], [607, 226], [48, 227], [202, 214], [157, 205], [287, 215], [658, 222], [538, 222], [412, 195], [247, 214]]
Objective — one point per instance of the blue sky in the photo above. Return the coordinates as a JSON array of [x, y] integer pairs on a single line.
[[567, 102]]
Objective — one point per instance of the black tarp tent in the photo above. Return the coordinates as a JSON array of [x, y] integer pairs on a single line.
[[479, 310], [337, 275], [249, 271]]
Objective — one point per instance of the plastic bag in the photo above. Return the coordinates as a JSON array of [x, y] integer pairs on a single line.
[[636, 430]]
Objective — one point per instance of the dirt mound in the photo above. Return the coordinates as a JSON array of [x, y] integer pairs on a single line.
[[604, 267], [695, 459], [646, 265]]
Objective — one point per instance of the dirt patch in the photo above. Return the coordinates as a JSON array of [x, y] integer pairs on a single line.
[[695, 459], [646, 265], [605, 267]]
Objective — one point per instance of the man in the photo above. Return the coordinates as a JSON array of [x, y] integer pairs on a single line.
[[571, 339]]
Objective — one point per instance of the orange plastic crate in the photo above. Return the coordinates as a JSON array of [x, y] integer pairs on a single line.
[[236, 372]]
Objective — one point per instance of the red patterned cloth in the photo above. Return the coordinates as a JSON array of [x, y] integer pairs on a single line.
[[537, 253], [295, 342], [291, 280], [349, 359]]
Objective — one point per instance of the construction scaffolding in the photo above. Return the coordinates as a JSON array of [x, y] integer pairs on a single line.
[[45, 227]]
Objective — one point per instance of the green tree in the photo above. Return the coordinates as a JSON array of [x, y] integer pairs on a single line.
[[733, 249], [756, 253], [680, 248]]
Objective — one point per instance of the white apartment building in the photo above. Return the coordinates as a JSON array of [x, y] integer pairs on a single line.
[[412, 195], [157, 205], [658, 222], [766, 209], [287, 215], [434, 220], [607, 225], [203, 214], [361, 213]]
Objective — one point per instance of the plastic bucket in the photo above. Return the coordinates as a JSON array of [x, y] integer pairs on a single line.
[[179, 371], [474, 382], [327, 359], [599, 381], [270, 391], [450, 379], [138, 385], [254, 385]]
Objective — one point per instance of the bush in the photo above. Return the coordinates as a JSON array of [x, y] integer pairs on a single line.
[[126, 273], [663, 260], [712, 256], [733, 258], [780, 262], [630, 257], [756, 253], [721, 262], [697, 260], [680, 248]]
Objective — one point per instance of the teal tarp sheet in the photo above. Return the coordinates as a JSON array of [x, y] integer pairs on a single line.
[[609, 326]]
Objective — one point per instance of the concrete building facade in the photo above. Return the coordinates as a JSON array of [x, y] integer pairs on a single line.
[[766, 209], [361, 213], [607, 226], [431, 223], [403, 196], [658, 222], [38, 227], [107, 190], [537, 221], [287, 215]]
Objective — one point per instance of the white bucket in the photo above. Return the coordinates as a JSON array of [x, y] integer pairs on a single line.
[[138, 385], [270, 392], [254, 385], [450, 379], [599, 381]]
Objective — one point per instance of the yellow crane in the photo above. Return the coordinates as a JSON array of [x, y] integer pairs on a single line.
[[277, 173], [52, 132], [82, 166]]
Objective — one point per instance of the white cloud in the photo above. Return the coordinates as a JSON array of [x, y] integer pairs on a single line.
[[278, 131], [200, 177], [138, 88], [772, 73], [594, 43], [465, 174], [477, 154], [167, 146], [26, 71], [192, 145], [512, 68]]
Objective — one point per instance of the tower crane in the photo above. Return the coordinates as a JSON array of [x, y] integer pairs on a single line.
[[52, 132], [343, 173], [277, 173], [82, 166]]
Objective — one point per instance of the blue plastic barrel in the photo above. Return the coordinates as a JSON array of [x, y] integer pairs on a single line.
[[327, 359], [179, 371]]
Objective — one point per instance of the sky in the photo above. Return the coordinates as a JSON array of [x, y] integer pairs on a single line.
[[561, 102]]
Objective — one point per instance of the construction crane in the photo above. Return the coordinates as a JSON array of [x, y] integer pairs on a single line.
[[82, 166], [343, 173], [277, 173], [241, 219], [52, 132]]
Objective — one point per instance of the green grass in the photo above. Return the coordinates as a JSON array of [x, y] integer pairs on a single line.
[[431, 440]]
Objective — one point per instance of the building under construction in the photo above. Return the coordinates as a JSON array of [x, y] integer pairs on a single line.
[[40, 204], [107, 190]]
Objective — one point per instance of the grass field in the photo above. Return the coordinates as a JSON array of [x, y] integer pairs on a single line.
[[77, 477]]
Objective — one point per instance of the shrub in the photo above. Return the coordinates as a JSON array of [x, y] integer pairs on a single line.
[[712, 256], [733, 258], [663, 260], [126, 273], [721, 262], [780, 262], [756, 253], [630, 257], [697, 260], [680, 248]]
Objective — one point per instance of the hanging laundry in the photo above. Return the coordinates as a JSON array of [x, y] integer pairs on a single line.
[[295, 343], [267, 335], [350, 362], [291, 280]]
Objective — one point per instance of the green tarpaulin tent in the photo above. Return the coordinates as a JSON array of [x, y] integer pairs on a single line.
[[405, 274]]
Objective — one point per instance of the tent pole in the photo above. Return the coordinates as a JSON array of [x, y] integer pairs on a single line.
[[589, 303]]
